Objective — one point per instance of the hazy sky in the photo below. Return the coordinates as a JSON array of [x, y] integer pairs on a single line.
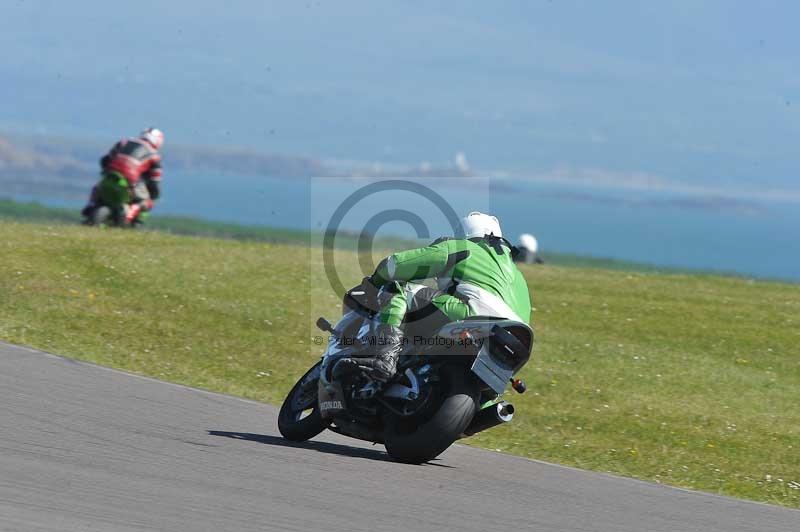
[[706, 93]]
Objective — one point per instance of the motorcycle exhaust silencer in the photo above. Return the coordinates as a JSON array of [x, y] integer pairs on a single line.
[[489, 417]]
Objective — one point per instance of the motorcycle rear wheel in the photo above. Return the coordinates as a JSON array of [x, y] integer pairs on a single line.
[[433, 437], [102, 215], [302, 399]]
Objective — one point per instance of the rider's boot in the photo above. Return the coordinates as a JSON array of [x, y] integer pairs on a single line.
[[382, 365], [132, 213]]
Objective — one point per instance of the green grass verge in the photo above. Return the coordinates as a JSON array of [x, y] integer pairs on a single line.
[[690, 380], [180, 225], [184, 225]]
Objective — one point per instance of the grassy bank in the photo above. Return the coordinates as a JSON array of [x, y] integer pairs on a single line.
[[690, 380], [184, 225], [179, 225]]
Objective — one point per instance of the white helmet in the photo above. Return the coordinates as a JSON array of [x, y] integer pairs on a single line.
[[529, 242], [476, 225], [155, 137]]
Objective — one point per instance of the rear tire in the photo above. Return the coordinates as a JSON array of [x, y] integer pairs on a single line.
[[433, 437], [302, 398], [101, 215]]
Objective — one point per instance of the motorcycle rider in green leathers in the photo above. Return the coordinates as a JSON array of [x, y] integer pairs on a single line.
[[476, 277]]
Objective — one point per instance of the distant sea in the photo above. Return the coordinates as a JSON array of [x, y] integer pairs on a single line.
[[759, 238]]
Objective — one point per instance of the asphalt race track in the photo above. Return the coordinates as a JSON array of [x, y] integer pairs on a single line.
[[87, 448]]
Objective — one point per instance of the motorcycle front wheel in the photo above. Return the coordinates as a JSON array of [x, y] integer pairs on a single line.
[[459, 402], [299, 419]]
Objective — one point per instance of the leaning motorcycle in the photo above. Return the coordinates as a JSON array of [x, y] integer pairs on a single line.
[[448, 385], [112, 203]]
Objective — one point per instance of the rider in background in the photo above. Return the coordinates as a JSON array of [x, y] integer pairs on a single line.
[[476, 277], [138, 163]]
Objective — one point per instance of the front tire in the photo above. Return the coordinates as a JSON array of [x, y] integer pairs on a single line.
[[302, 399], [433, 437]]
